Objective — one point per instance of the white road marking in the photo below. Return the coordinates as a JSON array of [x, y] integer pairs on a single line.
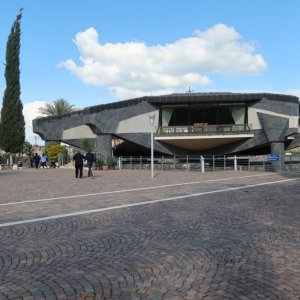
[[142, 203], [129, 190]]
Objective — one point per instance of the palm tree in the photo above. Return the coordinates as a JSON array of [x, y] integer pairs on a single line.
[[59, 107]]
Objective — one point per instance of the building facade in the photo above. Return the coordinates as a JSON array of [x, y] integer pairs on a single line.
[[190, 123]]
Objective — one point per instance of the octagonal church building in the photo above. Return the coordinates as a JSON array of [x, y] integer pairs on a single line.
[[188, 123]]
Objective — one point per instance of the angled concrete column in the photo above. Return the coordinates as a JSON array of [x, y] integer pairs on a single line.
[[103, 145], [277, 148]]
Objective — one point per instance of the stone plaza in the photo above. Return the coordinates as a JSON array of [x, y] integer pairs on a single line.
[[123, 235]]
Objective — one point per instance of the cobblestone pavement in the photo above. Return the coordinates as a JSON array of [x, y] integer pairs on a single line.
[[222, 235]]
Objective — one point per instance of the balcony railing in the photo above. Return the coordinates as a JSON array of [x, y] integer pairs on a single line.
[[203, 129]]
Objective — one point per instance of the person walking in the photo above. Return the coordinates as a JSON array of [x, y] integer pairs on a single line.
[[78, 158], [36, 160], [44, 160], [90, 157]]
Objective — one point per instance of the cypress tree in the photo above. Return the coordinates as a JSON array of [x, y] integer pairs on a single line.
[[12, 126]]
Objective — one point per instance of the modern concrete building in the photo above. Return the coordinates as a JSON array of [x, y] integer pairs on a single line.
[[190, 123]]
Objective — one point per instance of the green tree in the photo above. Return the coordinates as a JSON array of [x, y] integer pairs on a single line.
[[12, 126], [27, 148], [86, 145], [59, 107]]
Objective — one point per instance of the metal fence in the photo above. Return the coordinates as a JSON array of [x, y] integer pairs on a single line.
[[203, 163]]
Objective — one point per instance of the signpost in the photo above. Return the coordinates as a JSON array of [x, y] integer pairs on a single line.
[[273, 157]]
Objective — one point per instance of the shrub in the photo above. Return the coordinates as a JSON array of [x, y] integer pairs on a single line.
[[53, 151], [99, 161], [111, 162]]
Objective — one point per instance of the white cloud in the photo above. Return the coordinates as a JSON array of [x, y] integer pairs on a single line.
[[294, 92], [30, 112], [134, 69]]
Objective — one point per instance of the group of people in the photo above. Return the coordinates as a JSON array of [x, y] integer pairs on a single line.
[[78, 158], [37, 160]]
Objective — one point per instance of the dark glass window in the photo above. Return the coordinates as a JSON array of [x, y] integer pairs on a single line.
[[212, 114], [224, 115], [196, 116], [179, 117]]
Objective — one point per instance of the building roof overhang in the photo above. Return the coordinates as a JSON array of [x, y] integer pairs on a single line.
[[220, 97], [198, 143], [181, 98]]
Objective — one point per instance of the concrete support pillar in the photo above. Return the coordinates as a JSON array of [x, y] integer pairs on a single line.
[[103, 144], [277, 148]]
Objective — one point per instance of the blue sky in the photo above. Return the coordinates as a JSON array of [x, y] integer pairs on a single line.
[[135, 48]]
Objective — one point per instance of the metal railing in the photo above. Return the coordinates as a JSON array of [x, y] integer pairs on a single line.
[[203, 129], [203, 163]]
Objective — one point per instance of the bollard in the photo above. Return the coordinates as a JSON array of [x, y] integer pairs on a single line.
[[202, 165], [235, 163]]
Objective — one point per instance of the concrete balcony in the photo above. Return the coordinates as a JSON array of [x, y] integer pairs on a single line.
[[202, 129], [202, 136]]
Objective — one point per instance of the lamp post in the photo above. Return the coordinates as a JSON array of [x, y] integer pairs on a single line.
[[151, 120]]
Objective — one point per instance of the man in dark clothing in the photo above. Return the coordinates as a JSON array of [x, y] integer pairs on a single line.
[[36, 160], [90, 157], [78, 158]]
